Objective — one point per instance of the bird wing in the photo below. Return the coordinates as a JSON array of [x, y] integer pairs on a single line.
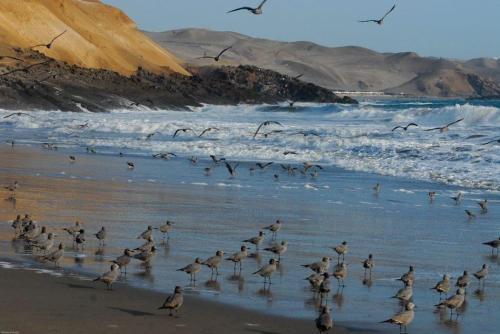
[[412, 124], [365, 21], [397, 127], [455, 122], [176, 132], [299, 76], [53, 39], [390, 11], [206, 57], [491, 141], [229, 168], [433, 129], [222, 52], [241, 8], [262, 4]]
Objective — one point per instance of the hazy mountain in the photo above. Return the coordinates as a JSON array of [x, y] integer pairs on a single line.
[[343, 68]]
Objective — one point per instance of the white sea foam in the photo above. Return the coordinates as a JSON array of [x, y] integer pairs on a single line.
[[353, 137]]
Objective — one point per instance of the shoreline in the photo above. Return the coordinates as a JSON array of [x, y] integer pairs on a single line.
[[67, 303]]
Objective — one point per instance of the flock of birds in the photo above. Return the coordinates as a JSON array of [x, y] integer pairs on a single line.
[[44, 246]]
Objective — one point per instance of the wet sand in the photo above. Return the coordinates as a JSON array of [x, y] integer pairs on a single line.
[[34, 302], [217, 213]]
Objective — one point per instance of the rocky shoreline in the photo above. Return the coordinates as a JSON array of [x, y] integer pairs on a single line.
[[60, 86]]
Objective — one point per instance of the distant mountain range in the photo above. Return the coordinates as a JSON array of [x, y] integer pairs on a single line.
[[342, 68]]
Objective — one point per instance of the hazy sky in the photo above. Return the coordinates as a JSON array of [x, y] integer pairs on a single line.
[[443, 28]]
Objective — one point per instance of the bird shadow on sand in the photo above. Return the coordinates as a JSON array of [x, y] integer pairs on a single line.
[[135, 313], [78, 286]]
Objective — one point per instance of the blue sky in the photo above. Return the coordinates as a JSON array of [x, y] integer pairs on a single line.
[[442, 28]]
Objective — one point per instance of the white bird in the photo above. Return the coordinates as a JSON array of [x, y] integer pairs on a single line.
[[109, 277], [174, 301]]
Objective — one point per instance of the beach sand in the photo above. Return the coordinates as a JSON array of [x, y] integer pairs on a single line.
[[34, 302]]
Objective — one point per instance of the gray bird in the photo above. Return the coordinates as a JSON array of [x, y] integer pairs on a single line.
[[255, 11], [381, 20], [173, 302], [404, 318], [256, 240], [267, 271], [443, 286], [123, 260], [324, 322], [214, 262], [109, 277]]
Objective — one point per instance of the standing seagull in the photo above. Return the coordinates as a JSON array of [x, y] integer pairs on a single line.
[[279, 249], [216, 58], [442, 286], [192, 269], [101, 236], [494, 244], [454, 302], [482, 274], [214, 262], [109, 277], [341, 250], [238, 257], [49, 45], [267, 271], [483, 205], [146, 234], [403, 319], [324, 322], [319, 267], [256, 11], [256, 240], [123, 260], [174, 301], [380, 21], [165, 229], [54, 256], [274, 228], [368, 264]]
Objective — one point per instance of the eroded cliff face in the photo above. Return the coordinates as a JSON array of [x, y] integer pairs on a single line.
[[98, 36]]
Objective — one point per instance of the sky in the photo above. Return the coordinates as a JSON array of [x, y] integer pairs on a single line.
[[461, 29]]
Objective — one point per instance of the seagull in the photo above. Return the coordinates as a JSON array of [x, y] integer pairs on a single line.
[[150, 135], [432, 195], [263, 165], [266, 123], [306, 133], [297, 77], [256, 11], [405, 294], [146, 255], [146, 234], [174, 301], [130, 165], [27, 68], [446, 127], [324, 287], [380, 21], [463, 281], [454, 302], [182, 130], [231, 169], [54, 256], [483, 205], [340, 273], [470, 215], [101, 236], [18, 114], [319, 267], [279, 249], [80, 238], [482, 274], [457, 198], [290, 153], [408, 277], [494, 244], [216, 58], [215, 160], [124, 260], [377, 188], [256, 240], [238, 257], [404, 318], [368, 264], [49, 45], [165, 229], [192, 269], [207, 130], [267, 271], [109, 277], [308, 165], [315, 280], [324, 322], [491, 142], [72, 158], [164, 156], [214, 262], [146, 246], [341, 250], [405, 128], [443, 286], [274, 228]]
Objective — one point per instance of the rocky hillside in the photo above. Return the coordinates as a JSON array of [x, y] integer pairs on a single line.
[[343, 68], [96, 35]]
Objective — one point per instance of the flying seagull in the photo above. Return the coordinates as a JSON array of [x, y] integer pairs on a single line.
[[297, 77], [231, 169], [27, 68], [446, 127], [207, 130], [49, 45], [216, 58], [266, 123], [18, 114], [491, 142], [256, 11], [381, 21], [182, 130], [405, 128]]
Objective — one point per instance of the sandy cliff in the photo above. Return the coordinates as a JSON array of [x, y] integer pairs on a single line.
[[98, 36]]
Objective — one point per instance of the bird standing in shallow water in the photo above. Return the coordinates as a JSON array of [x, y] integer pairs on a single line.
[[494, 244], [403, 319], [267, 271], [443, 286]]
